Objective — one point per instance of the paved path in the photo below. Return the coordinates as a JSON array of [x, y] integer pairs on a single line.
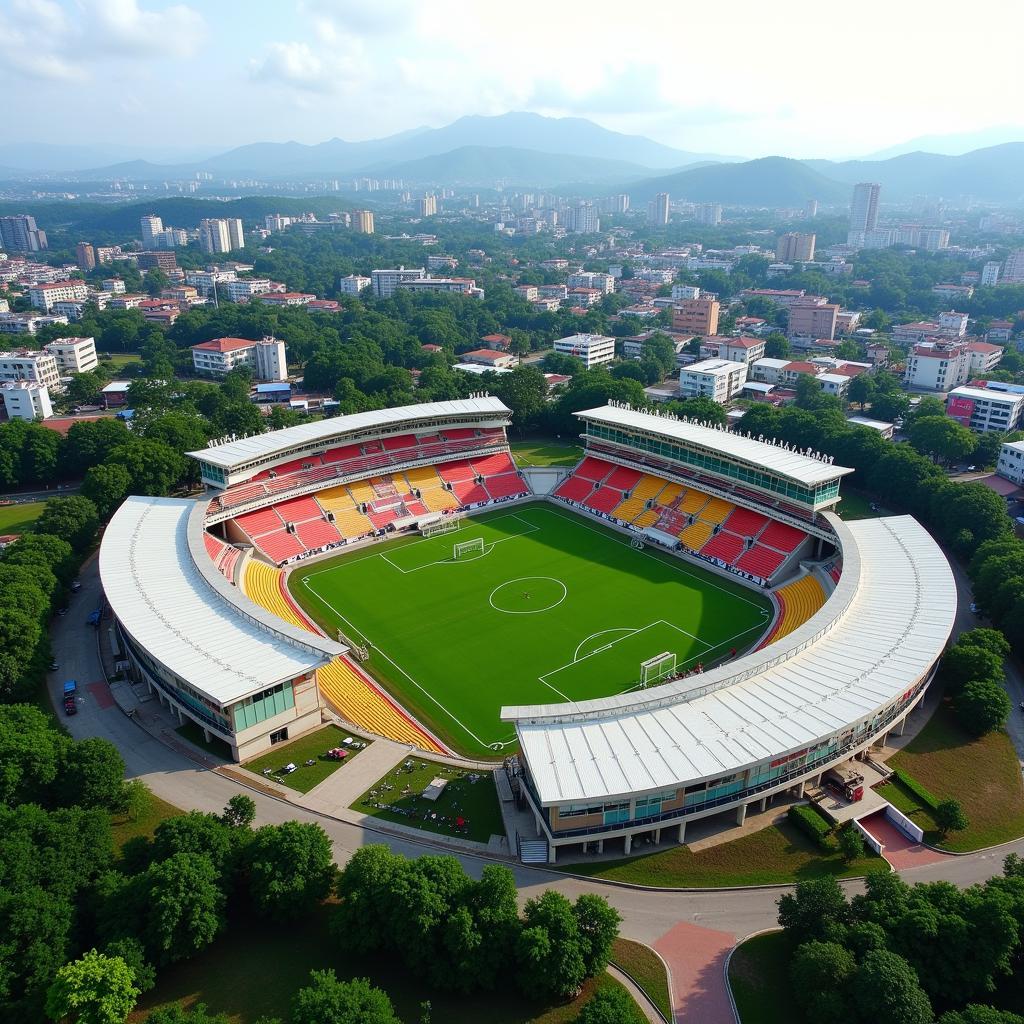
[[900, 851], [343, 787], [691, 929]]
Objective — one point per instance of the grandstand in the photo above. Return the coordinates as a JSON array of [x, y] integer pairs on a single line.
[[798, 601]]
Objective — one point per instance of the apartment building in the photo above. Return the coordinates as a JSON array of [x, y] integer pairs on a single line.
[[384, 282], [43, 296], [244, 288], [85, 256], [987, 405], [795, 245], [1013, 268], [709, 214], [685, 291], [737, 350], [362, 222], [221, 234], [696, 316], [20, 234], [31, 366], [26, 400], [73, 355], [27, 323], [593, 349], [717, 379], [267, 358], [603, 283], [811, 319], [1010, 464], [458, 285], [937, 365], [990, 274], [353, 284]]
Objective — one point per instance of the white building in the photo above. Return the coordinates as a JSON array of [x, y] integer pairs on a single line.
[[709, 213], [937, 365], [953, 324], [717, 379], [1013, 269], [457, 285], [353, 284], [593, 349], [990, 274], [244, 288], [114, 286], [221, 234], [27, 323], [996, 406], [43, 296], [585, 279], [35, 367], [864, 206], [685, 291], [385, 282], [1010, 464], [73, 355], [152, 230], [738, 350], [25, 400], [267, 358]]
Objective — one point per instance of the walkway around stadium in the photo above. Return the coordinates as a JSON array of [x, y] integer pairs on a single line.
[[693, 930]]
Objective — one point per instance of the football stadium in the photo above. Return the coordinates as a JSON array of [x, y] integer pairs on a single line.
[[678, 626]]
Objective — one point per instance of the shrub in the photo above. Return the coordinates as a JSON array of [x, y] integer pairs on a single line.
[[812, 824], [909, 782]]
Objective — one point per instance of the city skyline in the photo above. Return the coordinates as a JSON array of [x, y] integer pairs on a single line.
[[311, 70]]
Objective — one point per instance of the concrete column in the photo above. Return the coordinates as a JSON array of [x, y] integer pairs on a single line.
[[682, 832], [600, 846], [800, 789], [764, 804], [537, 824], [628, 845], [206, 734], [902, 726], [552, 853], [741, 814], [657, 835]]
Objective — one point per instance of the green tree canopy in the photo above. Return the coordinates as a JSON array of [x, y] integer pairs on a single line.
[[94, 989]]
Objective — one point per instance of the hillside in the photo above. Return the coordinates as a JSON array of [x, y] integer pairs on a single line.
[[770, 181]]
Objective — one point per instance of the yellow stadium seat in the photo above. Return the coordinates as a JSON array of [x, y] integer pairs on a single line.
[[669, 493], [800, 600], [696, 536], [692, 503], [362, 491], [716, 510], [261, 583], [360, 703]]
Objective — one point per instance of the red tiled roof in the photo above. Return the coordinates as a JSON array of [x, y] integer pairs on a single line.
[[224, 345], [801, 367], [486, 353], [983, 346]]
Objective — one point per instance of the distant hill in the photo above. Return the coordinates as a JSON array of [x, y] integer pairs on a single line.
[[484, 165], [770, 181], [953, 144], [994, 173]]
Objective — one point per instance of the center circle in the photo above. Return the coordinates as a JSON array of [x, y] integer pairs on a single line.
[[528, 595]]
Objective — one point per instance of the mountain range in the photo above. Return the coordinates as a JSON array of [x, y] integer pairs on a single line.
[[526, 149]]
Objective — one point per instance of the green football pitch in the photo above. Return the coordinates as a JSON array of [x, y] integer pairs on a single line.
[[553, 608]]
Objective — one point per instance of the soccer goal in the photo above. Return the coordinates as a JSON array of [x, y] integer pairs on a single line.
[[441, 526], [468, 548], [654, 669]]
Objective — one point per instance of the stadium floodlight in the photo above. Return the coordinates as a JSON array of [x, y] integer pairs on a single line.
[[657, 668], [468, 548], [440, 526]]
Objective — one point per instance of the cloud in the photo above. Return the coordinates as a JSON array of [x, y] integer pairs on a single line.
[[333, 18], [43, 40], [294, 64]]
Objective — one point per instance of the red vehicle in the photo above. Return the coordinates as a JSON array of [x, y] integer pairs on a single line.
[[337, 754], [846, 783], [70, 707]]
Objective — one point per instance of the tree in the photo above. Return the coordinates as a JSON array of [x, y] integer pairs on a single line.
[[599, 928], [820, 973], [31, 754], [561, 362], [136, 799], [860, 390], [611, 1006], [851, 845], [291, 868], [184, 907], [550, 954], [889, 406], [329, 1001], [198, 833], [987, 639], [776, 346], [701, 408], [813, 909], [95, 989], [154, 468], [983, 706], [106, 487], [885, 988], [93, 775], [198, 1014], [524, 391], [949, 817], [239, 812], [964, 662], [88, 442], [74, 518], [975, 1014], [131, 952]]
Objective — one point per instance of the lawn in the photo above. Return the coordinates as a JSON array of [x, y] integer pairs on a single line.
[[855, 505], [145, 824], [120, 359], [774, 855], [545, 453], [255, 969], [555, 609], [468, 795], [647, 969], [312, 747], [759, 978], [983, 774], [20, 517]]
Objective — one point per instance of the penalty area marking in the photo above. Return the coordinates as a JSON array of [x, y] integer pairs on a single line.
[[528, 611]]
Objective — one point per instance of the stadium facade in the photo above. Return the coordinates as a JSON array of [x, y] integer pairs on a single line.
[[204, 618]]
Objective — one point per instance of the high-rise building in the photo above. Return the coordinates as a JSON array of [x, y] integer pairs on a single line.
[[362, 222], [864, 206], [1013, 268], [795, 245], [20, 234], [811, 208], [657, 209], [583, 219], [696, 316], [85, 256], [221, 234], [709, 213], [152, 227], [425, 207], [990, 274], [236, 234]]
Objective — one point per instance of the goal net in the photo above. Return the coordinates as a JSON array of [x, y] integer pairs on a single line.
[[468, 548], [440, 527], [657, 668]]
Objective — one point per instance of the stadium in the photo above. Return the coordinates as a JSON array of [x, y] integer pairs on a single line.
[[677, 627]]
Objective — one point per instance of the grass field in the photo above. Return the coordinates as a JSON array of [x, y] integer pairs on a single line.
[[312, 747], [759, 979], [256, 968], [126, 829], [468, 795], [647, 969], [775, 855], [19, 518], [545, 453], [554, 609]]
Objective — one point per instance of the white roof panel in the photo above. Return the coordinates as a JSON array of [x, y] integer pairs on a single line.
[[162, 600], [280, 442], [895, 627], [790, 464]]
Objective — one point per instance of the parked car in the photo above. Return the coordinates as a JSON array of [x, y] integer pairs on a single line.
[[70, 707], [70, 688], [94, 618], [53, 665], [76, 585]]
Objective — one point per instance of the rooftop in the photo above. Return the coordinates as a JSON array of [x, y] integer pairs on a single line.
[[279, 442], [224, 345], [775, 459]]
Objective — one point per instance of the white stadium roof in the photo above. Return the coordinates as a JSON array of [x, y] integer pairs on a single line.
[[790, 464], [280, 442], [162, 600], [897, 623]]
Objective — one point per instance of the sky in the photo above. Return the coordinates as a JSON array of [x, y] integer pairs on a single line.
[[740, 77]]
